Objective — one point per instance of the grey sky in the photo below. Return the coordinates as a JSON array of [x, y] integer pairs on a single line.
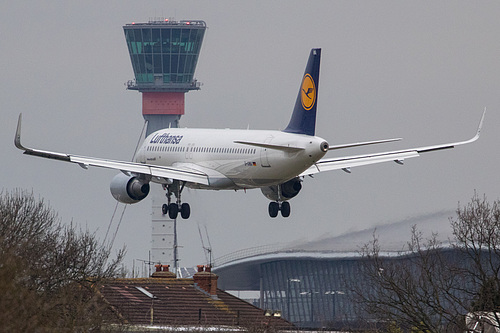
[[421, 70]]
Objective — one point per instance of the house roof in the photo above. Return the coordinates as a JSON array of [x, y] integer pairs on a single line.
[[179, 302]]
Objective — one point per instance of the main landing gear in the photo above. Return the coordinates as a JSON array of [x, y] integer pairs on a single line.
[[275, 207], [174, 208]]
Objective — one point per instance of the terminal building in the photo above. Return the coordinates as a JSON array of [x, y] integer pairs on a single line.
[[308, 282], [308, 288]]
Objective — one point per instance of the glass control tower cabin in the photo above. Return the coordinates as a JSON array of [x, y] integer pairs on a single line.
[[164, 55]]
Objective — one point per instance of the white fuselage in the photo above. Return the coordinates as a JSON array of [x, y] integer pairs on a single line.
[[231, 165]]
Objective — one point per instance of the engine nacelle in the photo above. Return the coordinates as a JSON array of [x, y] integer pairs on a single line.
[[288, 190], [128, 189]]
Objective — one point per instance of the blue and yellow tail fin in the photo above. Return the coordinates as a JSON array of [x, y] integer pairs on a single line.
[[303, 119]]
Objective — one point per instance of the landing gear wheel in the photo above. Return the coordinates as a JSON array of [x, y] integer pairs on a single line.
[[173, 211], [274, 207], [164, 209], [185, 211], [285, 209]]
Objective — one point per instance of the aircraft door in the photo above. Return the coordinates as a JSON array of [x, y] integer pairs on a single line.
[[189, 151], [264, 158]]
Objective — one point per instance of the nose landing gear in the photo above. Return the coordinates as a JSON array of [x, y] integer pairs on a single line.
[[276, 206], [174, 208]]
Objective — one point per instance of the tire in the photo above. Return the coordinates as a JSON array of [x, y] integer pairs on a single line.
[[274, 207], [285, 209], [164, 209], [173, 211], [185, 211]]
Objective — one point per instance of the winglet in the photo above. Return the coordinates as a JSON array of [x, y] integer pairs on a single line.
[[481, 123], [452, 145], [17, 138], [478, 133]]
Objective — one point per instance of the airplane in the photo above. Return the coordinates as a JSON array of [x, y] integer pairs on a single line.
[[228, 159]]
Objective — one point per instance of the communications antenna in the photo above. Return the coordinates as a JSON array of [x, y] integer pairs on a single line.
[[206, 250]]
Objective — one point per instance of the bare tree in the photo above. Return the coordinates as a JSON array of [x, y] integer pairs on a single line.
[[48, 271], [409, 290], [477, 236], [430, 287]]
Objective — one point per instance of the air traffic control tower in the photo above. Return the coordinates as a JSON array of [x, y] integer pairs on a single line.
[[164, 54]]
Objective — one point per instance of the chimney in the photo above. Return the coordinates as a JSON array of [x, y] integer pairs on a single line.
[[206, 280], [162, 271]]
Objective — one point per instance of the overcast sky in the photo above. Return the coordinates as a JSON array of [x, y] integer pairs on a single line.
[[421, 70]]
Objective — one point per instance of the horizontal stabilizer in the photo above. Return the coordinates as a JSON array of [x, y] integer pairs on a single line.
[[358, 144], [286, 148]]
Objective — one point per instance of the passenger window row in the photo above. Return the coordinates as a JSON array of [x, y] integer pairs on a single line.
[[203, 149]]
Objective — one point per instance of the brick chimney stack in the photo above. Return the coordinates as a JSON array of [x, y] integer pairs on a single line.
[[206, 280], [162, 271]]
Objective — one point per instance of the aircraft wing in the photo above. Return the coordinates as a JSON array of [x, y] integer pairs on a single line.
[[177, 173], [398, 156]]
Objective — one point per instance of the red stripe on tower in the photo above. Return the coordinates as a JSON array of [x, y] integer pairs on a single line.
[[163, 103]]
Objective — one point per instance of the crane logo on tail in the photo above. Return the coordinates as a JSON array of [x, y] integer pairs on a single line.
[[308, 92]]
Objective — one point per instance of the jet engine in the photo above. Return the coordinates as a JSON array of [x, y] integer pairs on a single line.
[[128, 189], [288, 190]]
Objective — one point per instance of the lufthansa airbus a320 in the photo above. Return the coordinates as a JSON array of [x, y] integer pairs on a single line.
[[224, 159]]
